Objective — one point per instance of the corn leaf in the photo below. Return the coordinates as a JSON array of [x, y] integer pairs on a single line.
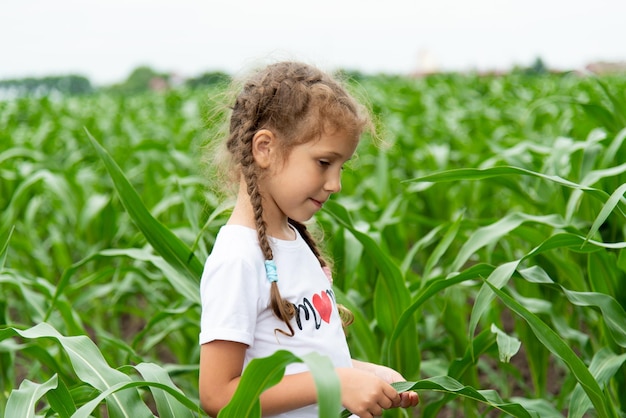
[[507, 346], [391, 297], [61, 401], [87, 409], [4, 250], [90, 367], [168, 245], [165, 406], [613, 313], [22, 401], [263, 373], [494, 172], [366, 343], [603, 366], [448, 385], [394, 296], [606, 210], [562, 350], [433, 288]]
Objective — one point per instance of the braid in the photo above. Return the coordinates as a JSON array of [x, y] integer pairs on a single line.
[[283, 309], [304, 232], [244, 124]]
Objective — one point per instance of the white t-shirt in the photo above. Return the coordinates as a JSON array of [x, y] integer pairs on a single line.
[[235, 297]]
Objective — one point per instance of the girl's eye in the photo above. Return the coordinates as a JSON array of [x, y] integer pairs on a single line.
[[324, 163]]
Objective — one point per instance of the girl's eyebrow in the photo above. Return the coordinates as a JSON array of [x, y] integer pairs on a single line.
[[337, 154]]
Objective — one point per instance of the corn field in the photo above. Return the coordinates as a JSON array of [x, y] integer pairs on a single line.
[[480, 245]]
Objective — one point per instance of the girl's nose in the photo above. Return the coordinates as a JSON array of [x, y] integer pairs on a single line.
[[333, 183]]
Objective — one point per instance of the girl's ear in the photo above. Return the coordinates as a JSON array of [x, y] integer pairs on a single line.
[[263, 144]]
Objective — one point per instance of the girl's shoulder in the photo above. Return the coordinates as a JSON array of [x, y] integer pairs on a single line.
[[240, 233], [233, 234], [235, 254], [236, 242]]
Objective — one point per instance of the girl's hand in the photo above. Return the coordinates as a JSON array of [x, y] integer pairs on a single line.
[[389, 375], [366, 394]]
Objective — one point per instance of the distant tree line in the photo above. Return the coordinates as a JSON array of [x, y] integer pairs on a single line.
[[31, 86], [141, 79], [145, 78]]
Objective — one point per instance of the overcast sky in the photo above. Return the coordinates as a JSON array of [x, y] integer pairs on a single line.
[[105, 40]]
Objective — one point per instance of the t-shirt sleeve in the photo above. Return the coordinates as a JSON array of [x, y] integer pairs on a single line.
[[230, 298]]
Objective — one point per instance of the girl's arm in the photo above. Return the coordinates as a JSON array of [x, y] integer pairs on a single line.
[[220, 367], [221, 362]]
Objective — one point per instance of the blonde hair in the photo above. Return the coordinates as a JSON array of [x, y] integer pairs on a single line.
[[299, 103]]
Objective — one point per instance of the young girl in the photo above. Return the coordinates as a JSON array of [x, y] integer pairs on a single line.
[[265, 286]]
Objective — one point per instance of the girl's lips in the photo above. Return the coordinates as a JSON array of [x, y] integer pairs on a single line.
[[317, 202]]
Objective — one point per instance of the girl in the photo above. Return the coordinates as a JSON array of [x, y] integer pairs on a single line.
[[265, 286]]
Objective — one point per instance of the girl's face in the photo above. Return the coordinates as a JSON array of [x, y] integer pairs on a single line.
[[298, 186]]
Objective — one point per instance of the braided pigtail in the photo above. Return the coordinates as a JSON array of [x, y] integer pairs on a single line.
[[347, 317], [245, 121], [283, 309]]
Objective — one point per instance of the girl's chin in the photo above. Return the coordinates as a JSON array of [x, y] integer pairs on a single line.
[[302, 218]]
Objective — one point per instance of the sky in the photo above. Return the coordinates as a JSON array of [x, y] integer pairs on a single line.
[[106, 40]]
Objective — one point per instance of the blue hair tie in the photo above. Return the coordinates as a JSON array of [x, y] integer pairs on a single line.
[[270, 270]]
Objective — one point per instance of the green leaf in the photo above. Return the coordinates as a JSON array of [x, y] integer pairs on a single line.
[[391, 297], [5, 249], [618, 103], [86, 410], [446, 384], [366, 341], [90, 366], [606, 210], [498, 278], [392, 293], [61, 401], [442, 247], [612, 150], [542, 407], [433, 288], [485, 173], [263, 373], [612, 312], [507, 346], [492, 233], [166, 408], [601, 114], [22, 401], [603, 366], [562, 350], [168, 245], [179, 282], [480, 345]]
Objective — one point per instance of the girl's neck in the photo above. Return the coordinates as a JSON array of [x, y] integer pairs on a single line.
[[243, 214]]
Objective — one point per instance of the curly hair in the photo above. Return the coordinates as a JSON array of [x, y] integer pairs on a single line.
[[299, 103]]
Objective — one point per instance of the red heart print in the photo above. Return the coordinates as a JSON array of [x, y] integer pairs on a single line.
[[323, 305]]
